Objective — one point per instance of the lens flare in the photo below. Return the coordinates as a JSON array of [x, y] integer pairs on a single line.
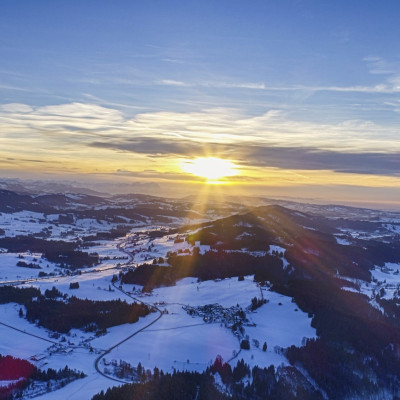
[[211, 168]]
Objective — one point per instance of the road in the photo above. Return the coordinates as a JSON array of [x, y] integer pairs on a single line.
[[98, 359], [27, 333], [110, 349], [128, 262], [152, 306]]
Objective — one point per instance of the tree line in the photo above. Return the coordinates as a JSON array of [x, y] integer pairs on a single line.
[[61, 316]]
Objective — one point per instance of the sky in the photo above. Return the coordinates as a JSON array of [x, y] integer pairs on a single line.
[[302, 96]]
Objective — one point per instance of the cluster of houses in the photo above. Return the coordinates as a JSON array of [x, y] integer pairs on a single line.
[[215, 313]]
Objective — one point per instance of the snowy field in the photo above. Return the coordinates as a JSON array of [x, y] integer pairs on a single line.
[[389, 274], [23, 222], [385, 283], [388, 279], [184, 342], [53, 226], [9, 271], [179, 342], [176, 341]]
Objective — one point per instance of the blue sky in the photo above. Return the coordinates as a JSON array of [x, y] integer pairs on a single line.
[[123, 52], [329, 67]]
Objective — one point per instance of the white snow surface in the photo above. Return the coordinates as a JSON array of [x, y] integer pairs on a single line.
[[279, 249], [341, 240], [10, 272], [386, 278], [177, 340]]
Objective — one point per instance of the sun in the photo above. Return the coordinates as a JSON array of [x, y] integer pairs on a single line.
[[211, 168]]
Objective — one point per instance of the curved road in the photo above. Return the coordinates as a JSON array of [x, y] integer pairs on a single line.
[[130, 259], [96, 364], [160, 314], [110, 349]]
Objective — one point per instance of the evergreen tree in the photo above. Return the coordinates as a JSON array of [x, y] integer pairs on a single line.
[[264, 348]]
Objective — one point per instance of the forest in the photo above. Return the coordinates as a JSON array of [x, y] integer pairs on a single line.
[[211, 265], [61, 316], [346, 322], [266, 383], [12, 294], [61, 252]]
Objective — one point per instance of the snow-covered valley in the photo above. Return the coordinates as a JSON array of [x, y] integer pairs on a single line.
[[212, 297]]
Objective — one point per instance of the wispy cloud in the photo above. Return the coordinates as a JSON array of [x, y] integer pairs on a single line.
[[236, 85], [103, 102], [389, 69], [173, 60], [233, 85], [380, 66], [390, 86], [217, 125], [17, 88], [376, 66], [171, 82], [381, 88], [268, 140]]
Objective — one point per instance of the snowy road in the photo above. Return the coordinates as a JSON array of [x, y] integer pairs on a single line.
[[98, 359]]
